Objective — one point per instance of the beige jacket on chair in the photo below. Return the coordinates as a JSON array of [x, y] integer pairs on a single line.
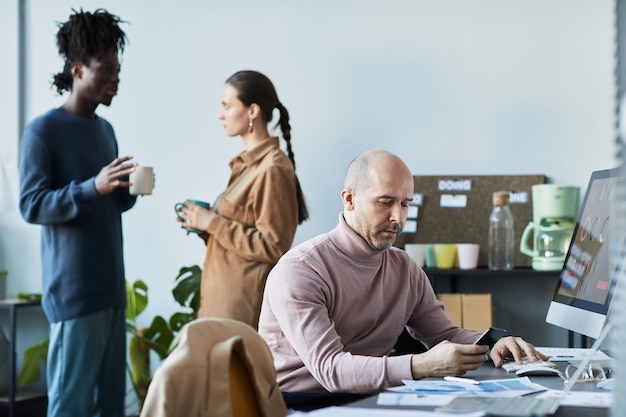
[[220, 368]]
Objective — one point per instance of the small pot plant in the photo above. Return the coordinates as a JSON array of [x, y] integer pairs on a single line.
[[161, 336]]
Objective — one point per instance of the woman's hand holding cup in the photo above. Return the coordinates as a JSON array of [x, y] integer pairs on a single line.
[[195, 215]]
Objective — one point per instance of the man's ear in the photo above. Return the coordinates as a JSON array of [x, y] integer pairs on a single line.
[[77, 70], [347, 196]]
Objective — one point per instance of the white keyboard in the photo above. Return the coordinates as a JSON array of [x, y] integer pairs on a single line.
[[512, 366], [560, 354]]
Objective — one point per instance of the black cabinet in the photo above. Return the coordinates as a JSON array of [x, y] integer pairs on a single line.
[[520, 298], [13, 397]]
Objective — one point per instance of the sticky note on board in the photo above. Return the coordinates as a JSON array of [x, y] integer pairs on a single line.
[[453, 200], [410, 226]]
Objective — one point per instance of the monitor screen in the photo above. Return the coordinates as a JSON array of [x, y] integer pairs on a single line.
[[583, 294]]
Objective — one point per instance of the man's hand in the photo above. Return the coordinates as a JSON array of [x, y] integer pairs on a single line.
[[448, 358], [515, 347], [108, 179]]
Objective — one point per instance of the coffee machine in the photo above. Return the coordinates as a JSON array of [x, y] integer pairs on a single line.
[[555, 210]]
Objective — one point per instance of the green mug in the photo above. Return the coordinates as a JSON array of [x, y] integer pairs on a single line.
[[178, 206]]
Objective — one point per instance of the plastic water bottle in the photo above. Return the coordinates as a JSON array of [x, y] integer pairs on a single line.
[[501, 233]]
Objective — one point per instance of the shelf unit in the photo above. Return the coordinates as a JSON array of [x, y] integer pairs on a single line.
[[486, 271], [453, 275], [460, 280], [13, 307]]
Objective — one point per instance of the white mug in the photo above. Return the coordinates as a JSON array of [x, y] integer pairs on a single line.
[[468, 255], [417, 251], [142, 180]]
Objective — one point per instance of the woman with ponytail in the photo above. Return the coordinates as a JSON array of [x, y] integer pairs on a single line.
[[254, 221]]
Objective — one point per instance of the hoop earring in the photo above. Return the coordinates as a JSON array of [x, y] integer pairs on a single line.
[[250, 127]]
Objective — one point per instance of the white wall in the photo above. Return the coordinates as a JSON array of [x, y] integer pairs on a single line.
[[453, 86]]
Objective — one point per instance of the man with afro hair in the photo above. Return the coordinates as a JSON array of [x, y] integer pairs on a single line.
[[74, 184]]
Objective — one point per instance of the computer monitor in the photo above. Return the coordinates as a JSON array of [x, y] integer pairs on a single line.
[[583, 294]]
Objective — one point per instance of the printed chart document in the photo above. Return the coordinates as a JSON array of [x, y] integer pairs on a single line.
[[413, 399], [511, 387]]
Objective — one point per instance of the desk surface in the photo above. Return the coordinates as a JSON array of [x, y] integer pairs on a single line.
[[488, 371]]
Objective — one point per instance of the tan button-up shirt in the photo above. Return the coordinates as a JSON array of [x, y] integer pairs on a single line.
[[257, 221]]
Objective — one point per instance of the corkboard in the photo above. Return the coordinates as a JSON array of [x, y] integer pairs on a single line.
[[455, 210]]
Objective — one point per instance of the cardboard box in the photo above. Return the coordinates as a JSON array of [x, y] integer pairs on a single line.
[[453, 306], [470, 311], [477, 311]]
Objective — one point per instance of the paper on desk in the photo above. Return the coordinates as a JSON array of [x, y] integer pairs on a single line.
[[378, 412], [413, 399], [508, 387], [582, 398]]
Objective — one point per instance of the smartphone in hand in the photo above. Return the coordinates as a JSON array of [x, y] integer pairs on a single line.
[[490, 337]]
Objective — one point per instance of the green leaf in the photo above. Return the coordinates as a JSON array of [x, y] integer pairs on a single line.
[[187, 289], [159, 336], [136, 299], [131, 305], [140, 362], [141, 296], [29, 296], [178, 320], [30, 365]]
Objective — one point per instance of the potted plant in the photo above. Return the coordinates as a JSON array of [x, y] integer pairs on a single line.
[[161, 336]]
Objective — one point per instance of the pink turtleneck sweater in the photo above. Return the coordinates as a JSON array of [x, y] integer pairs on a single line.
[[333, 309]]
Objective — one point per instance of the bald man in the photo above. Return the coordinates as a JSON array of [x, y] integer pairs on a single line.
[[335, 305]]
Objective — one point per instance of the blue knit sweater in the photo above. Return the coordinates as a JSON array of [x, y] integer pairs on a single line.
[[81, 237]]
